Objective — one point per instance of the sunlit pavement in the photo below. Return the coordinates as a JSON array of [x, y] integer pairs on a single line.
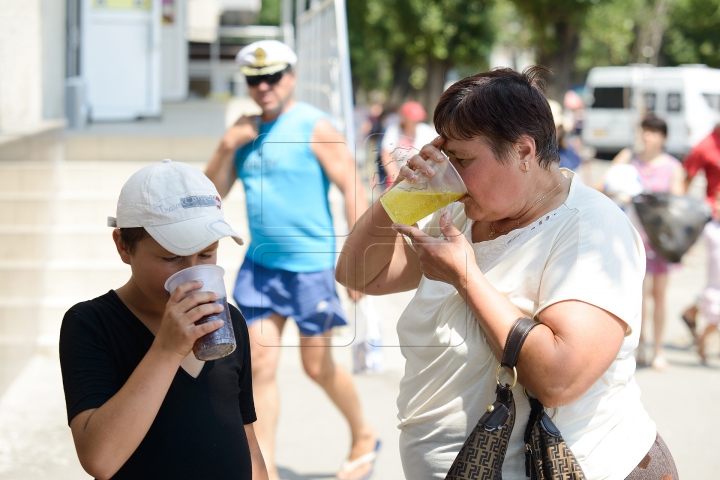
[[313, 439]]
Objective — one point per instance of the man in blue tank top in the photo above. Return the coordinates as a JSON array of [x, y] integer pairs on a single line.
[[286, 159]]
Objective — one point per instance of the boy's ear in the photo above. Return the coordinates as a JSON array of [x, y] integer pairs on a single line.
[[122, 249]]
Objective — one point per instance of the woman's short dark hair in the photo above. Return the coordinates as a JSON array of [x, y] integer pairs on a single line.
[[654, 124], [132, 236], [500, 105]]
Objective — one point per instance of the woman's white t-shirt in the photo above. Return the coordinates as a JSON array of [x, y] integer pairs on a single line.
[[584, 250]]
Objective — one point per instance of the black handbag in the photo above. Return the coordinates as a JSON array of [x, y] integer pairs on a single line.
[[672, 223], [547, 456]]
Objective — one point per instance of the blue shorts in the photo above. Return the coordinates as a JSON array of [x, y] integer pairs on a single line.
[[308, 297]]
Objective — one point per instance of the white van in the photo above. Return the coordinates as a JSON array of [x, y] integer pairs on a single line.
[[686, 97]]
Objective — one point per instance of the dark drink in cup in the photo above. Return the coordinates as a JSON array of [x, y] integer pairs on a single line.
[[221, 342]]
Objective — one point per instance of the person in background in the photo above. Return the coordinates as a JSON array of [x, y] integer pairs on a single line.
[[710, 296], [286, 159], [568, 156], [704, 156], [404, 139], [659, 172]]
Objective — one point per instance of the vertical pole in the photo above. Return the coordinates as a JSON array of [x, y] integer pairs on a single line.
[[345, 78], [287, 24], [215, 87]]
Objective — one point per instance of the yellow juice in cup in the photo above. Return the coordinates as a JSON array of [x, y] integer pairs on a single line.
[[409, 207]]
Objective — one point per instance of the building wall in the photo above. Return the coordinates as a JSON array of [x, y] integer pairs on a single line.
[[53, 58], [20, 64]]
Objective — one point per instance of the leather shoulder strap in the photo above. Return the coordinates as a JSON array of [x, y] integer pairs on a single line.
[[518, 333]]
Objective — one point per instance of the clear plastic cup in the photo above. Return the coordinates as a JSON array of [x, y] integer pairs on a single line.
[[221, 342], [410, 202]]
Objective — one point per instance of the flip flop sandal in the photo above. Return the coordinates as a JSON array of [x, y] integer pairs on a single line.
[[368, 458]]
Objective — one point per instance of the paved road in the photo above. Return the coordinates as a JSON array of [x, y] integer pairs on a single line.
[[35, 442]]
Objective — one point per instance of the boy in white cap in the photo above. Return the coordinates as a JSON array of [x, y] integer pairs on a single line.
[[286, 159], [139, 404]]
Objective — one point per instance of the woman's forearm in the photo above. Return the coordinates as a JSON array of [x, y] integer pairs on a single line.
[[495, 313], [355, 202], [367, 250], [561, 358], [109, 435]]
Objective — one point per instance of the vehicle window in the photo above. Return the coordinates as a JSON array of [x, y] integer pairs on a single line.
[[650, 101], [713, 100], [611, 97], [674, 102]]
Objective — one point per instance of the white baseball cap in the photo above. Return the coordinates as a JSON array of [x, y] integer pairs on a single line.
[[265, 57], [178, 206]]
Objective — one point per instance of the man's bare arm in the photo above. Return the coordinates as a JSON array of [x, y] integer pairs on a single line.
[[221, 169], [335, 159]]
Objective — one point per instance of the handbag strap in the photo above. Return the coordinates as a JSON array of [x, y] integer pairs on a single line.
[[518, 333]]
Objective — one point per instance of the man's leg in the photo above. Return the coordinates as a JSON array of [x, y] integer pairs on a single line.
[[265, 353], [316, 353]]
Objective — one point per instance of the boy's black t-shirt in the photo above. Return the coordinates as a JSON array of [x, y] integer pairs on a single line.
[[198, 432]]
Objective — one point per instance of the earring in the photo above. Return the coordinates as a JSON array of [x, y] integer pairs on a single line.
[[527, 167]]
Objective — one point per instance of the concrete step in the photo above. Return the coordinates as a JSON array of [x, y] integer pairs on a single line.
[[140, 148], [25, 177], [24, 211], [23, 243], [90, 212], [81, 244]]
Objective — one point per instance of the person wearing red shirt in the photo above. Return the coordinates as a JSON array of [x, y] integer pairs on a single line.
[[704, 156]]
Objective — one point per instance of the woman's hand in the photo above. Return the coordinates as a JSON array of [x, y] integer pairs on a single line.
[[450, 259], [418, 163]]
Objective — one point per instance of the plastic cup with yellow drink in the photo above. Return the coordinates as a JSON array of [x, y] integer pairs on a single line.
[[410, 202]]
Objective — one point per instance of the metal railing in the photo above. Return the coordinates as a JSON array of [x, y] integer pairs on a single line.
[[323, 72]]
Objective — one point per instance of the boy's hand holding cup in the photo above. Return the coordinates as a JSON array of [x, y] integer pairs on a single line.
[[178, 331], [194, 321]]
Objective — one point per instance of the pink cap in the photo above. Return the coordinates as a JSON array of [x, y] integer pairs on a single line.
[[572, 100], [413, 111]]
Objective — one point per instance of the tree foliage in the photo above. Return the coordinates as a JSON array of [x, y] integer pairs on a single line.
[[405, 47], [694, 33], [609, 34], [269, 12], [409, 45], [556, 27]]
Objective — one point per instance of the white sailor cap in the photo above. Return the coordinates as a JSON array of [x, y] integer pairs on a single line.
[[265, 57]]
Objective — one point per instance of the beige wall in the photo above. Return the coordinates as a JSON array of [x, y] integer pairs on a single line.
[[32, 71], [32, 62], [20, 64]]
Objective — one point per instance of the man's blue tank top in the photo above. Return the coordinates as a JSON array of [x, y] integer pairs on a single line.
[[286, 192]]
